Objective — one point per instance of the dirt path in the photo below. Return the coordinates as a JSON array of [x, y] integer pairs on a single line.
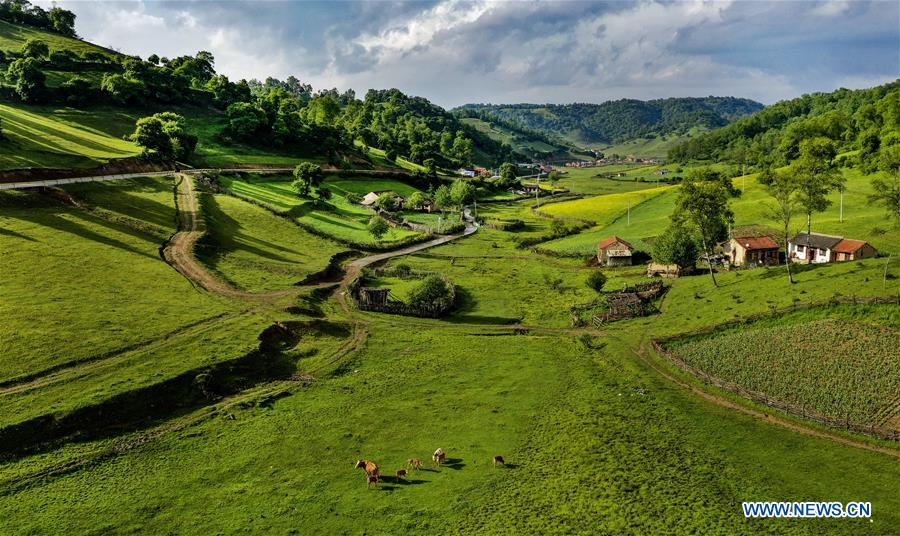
[[180, 250], [641, 354]]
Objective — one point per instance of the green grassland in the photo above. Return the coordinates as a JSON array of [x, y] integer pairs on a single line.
[[657, 147], [46, 136], [596, 440], [255, 250], [503, 135], [362, 186], [13, 36], [337, 218], [588, 182], [603, 209]]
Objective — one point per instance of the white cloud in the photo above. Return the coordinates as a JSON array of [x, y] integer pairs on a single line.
[[831, 8]]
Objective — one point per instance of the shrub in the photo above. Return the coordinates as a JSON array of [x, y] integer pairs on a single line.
[[596, 281], [434, 293]]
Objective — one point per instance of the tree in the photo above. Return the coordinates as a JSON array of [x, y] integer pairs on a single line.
[[887, 191], [783, 188], [462, 149], [553, 177], [164, 136], [150, 135], [676, 246], [30, 80], [35, 48], [63, 21], [461, 194], [123, 89], [306, 176], [558, 227], [596, 281], [385, 201], [378, 227], [433, 293], [323, 193], [417, 200], [508, 171], [703, 205], [430, 166], [245, 120], [443, 199], [816, 176]]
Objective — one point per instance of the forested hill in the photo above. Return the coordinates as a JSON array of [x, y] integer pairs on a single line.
[[856, 121], [621, 120]]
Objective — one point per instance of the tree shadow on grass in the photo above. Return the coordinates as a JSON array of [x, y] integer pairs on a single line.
[[7, 232]]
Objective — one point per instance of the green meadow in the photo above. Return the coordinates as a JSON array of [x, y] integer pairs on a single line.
[[596, 439]]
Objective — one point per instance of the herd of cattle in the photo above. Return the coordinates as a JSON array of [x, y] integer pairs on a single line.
[[439, 456]]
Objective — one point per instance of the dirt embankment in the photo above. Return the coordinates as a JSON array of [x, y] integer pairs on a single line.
[[115, 167]]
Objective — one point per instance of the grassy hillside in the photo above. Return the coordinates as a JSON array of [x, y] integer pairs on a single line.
[[337, 218], [49, 136], [13, 36], [862, 220]]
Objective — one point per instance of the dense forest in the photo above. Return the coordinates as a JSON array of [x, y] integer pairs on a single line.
[[621, 120], [858, 122]]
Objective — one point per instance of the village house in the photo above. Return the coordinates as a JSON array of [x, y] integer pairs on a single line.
[[662, 171], [614, 251], [751, 251], [828, 248], [851, 250], [467, 172], [369, 199]]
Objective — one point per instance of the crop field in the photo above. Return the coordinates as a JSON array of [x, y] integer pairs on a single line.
[[256, 250], [835, 367], [62, 137], [603, 209], [338, 218]]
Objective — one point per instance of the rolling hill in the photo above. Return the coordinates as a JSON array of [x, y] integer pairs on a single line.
[[614, 122]]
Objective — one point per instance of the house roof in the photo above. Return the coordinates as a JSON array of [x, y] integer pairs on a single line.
[[756, 242], [849, 246], [606, 242], [817, 240], [369, 198]]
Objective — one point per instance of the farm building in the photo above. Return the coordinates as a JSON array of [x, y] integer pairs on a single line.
[[851, 250], [751, 251], [369, 199], [614, 251], [667, 270], [827, 248]]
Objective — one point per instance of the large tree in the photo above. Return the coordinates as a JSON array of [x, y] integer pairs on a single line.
[[676, 245], [306, 176], [30, 80], [816, 176], [784, 190], [35, 48], [703, 205], [462, 193], [887, 190], [378, 227], [63, 21], [164, 136]]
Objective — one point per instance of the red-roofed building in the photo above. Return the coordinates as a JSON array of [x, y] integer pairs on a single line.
[[851, 250], [614, 251], [752, 251]]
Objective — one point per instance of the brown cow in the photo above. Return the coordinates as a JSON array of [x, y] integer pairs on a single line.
[[370, 467], [498, 460], [372, 481], [401, 474], [414, 463]]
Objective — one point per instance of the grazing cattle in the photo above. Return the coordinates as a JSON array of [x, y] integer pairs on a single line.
[[372, 481], [414, 463], [498, 460], [401, 474], [438, 456], [370, 467]]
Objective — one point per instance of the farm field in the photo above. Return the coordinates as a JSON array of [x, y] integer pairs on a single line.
[[13, 36], [856, 380], [603, 209], [338, 218]]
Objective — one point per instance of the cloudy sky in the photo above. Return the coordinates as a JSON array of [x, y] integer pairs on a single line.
[[454, 52]]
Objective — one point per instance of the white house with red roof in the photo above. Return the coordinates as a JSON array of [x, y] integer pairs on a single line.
[[614, 251]]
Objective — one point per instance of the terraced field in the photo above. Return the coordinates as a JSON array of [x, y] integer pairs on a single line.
[[337, 218]]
